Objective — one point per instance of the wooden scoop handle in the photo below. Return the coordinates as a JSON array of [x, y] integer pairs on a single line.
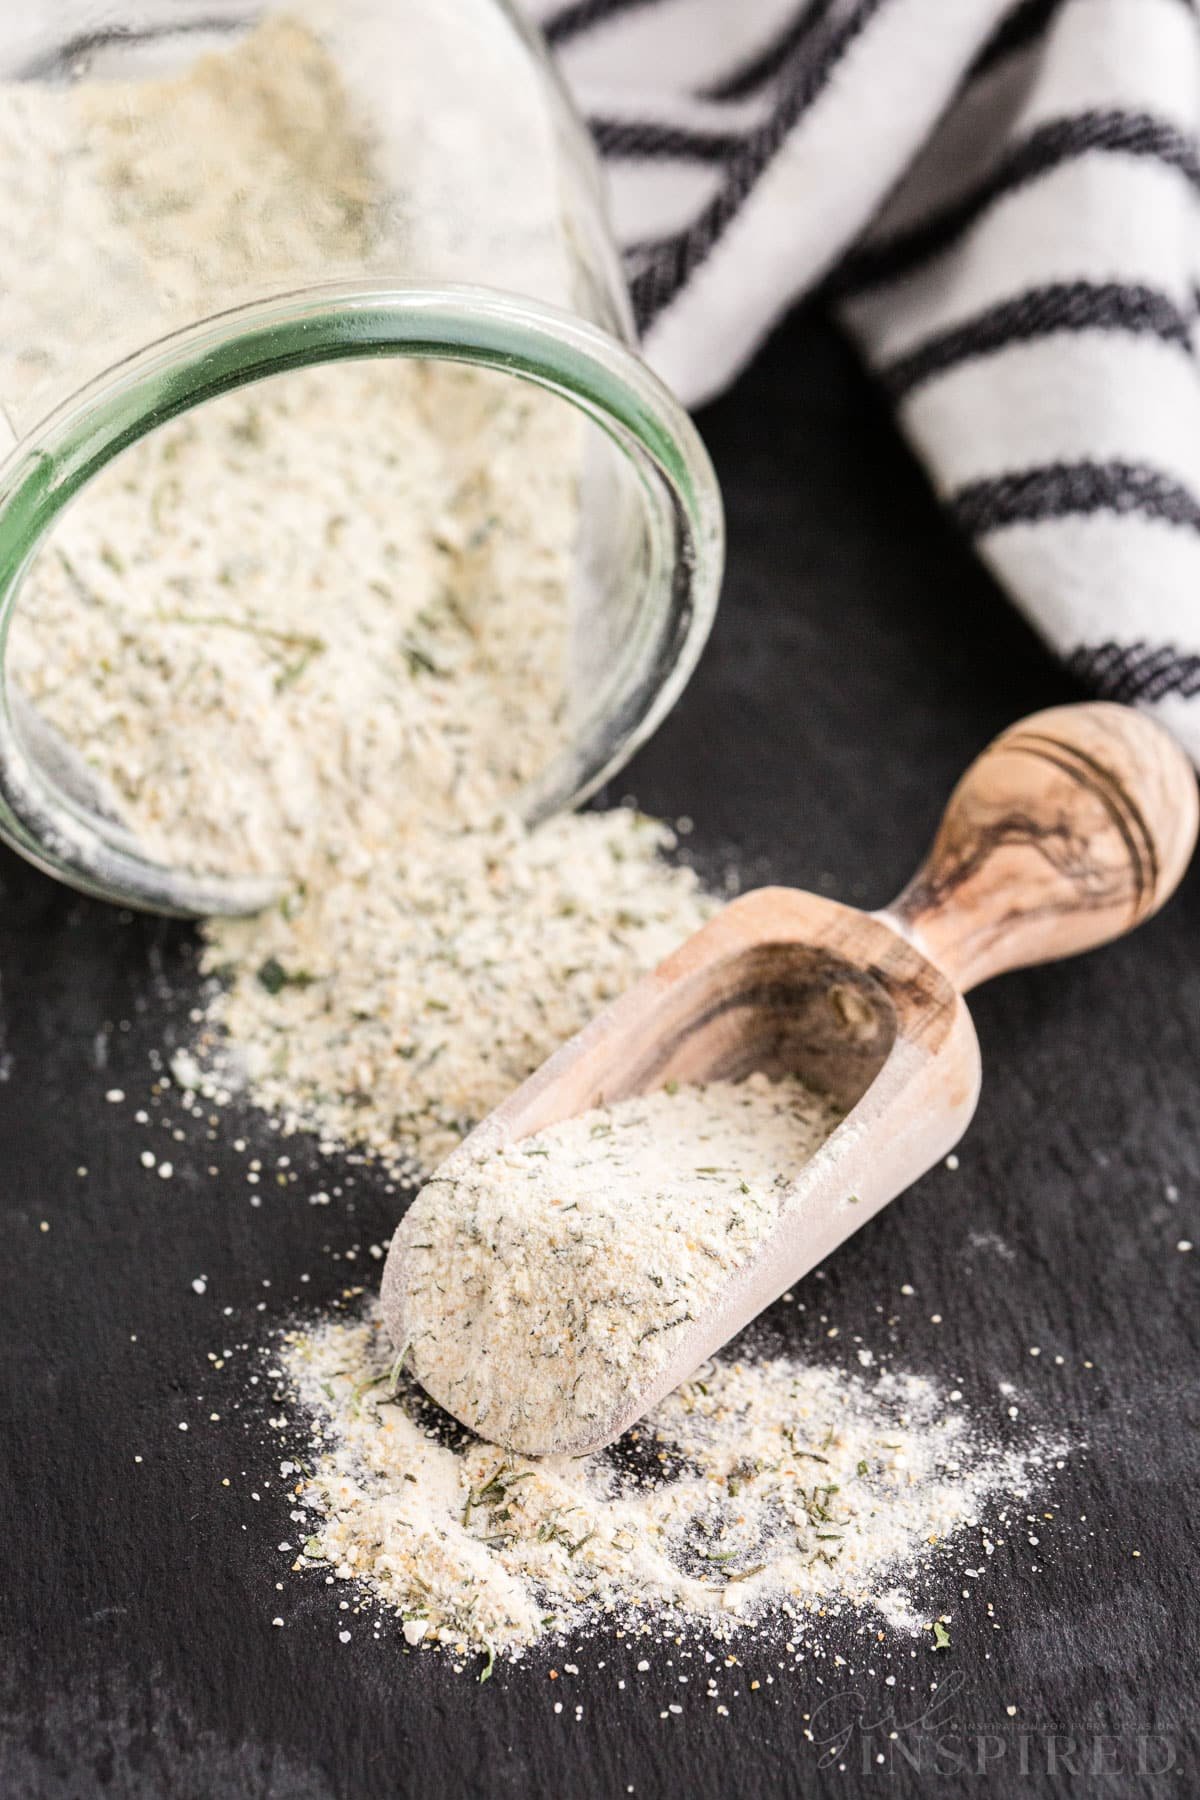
[[1071, 828]]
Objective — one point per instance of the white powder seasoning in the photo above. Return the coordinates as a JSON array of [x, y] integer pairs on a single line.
[[321, 627], [310, 615], [131, 209], [770, 1494], [544, 1284], [406, 993], [307, 617]]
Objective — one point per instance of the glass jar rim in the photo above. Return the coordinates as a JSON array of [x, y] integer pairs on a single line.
[[489, 328]]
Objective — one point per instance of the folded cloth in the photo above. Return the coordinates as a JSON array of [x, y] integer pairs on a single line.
[[1002, 202]]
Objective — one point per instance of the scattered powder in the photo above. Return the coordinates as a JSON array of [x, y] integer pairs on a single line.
[[543, 1286], [408, 994], [758, 1492]]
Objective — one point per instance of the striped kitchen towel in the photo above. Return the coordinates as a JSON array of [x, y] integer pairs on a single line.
[[1003, 202]]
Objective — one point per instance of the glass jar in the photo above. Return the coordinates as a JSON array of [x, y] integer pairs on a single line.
[[203, 198]]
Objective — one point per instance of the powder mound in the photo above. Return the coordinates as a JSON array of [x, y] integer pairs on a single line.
[[406, 993], [759, 1491], [542, 1287]]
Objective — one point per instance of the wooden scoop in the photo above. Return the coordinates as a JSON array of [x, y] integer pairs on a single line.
[[1068, 830]]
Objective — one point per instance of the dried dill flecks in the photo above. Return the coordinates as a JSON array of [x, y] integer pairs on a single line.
[[548, 1281], [730, 1531]]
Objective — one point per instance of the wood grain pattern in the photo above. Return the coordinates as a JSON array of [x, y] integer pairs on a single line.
[[1071, 828]]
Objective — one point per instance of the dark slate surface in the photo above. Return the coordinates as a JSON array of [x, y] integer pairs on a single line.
[[861, 658]]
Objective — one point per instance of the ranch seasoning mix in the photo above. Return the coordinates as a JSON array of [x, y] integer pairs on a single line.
[[347, 689]]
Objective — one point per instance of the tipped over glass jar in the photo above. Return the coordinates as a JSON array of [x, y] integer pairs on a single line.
[[335, 495]]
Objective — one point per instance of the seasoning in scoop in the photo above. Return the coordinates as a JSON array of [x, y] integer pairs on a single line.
[[543, 1283]]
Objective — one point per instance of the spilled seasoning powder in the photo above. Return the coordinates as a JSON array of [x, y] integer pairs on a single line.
[[540, 1288], [753, 1496], [347, 672], [405, 994]]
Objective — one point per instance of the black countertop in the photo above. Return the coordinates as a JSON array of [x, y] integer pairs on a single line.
[[860, 659]]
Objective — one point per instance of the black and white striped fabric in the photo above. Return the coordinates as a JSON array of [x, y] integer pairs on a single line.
[[1003, 202]]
